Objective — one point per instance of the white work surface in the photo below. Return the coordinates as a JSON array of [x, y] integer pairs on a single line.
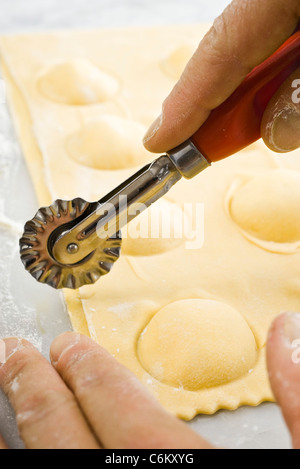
[[36, 312]]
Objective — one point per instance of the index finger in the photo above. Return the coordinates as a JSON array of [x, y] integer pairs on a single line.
[[246, 34], [47, 413], [120, 410]]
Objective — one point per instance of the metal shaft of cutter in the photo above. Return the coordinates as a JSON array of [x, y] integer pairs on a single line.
[[116, 210], [127, 201]]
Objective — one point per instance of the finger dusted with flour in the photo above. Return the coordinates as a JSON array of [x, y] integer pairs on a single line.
[[47, 413], [121, 411], [281, 122], [283, 352]]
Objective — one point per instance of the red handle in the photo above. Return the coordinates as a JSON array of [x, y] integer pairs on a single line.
[[237, 122]]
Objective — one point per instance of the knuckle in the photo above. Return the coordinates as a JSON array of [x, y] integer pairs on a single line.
[[97, 377], [220, 45], [85, 367], [225, 42], [75, 360], [13, 369]]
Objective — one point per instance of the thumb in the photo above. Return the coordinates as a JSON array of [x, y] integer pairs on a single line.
[[283, 356], [281, 122]]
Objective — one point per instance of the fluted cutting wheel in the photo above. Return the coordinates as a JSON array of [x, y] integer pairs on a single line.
[[36, 253]]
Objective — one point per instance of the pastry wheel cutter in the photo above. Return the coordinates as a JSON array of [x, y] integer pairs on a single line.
[[73, 243]]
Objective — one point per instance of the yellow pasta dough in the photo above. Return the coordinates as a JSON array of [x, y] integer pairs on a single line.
[[156, 230], [187, 310], [175, 63], [77, 82], [267, 206], [110, 142], [180, 337]]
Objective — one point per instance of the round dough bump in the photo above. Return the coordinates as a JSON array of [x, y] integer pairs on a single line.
[[78, 83], [158, 229], [175, 63], [109, 143], [197, 344], [268, 206]]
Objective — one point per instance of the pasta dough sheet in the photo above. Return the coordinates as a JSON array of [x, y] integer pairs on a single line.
[[187, 314]]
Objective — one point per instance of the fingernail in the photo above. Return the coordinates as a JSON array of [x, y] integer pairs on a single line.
[[62, 344], [153, 129], [8, 347], [286, 130], [291, 328]]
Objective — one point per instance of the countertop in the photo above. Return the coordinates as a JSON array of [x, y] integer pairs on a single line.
[[37, 313]]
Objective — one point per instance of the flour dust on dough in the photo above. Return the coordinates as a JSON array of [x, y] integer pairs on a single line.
[[191, 323]]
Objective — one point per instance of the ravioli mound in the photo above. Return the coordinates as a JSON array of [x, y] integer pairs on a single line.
[[268, 206], [109, 143], [195, 344], [78, 83]]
